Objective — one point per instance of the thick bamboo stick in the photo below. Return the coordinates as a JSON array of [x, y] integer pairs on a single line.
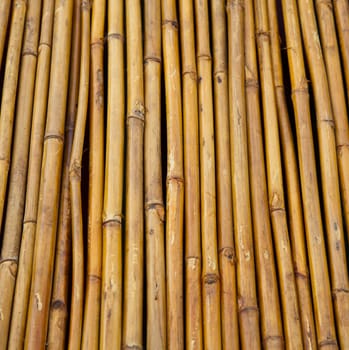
[[5, 7], [134, 252], [227, 260], [38, 310], [154, 206], [329, 169], [18, 171], [320, 284], [111, 307], [294, 201], [268, 293], [20, 302], [59, 312], [91, 321], [174, 181], [210, 264], [193, 304], [247, 300]]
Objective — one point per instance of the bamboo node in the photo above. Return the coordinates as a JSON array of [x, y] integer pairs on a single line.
[[330, 122], [93, 278], [132, 347], [337, 291], [301, 275], [58, 305], [155, 59], [235, 3], [328, 342], [210, 278], [275, 339], [56, 137], [75, 170], [263, 35], [176, 179], [252, 84], [327, 3], [204, 57], [29, 52], [117, 36], [158, 207], [247, 309], [191, 73], [229, 253], [12, 265], [342, 147], [116, 220], [137, 112], [171, 23], [97, 43]]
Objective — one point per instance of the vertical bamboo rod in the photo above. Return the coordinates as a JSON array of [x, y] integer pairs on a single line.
[[5, 8]]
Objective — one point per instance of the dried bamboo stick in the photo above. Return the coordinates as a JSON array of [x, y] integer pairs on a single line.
[[268, 291], [18, 170], [248, 309], [111, 307], [227, 260], [20, 302], [295, 210], [174, 181], [320, 284], [329, 170], [38, 310], [154, 206], [91, 321], [193, 304], [5, 8]]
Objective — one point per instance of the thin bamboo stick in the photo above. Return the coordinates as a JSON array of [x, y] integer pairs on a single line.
[[59, 312], [20, 302], [227, 260], [174, 181], [134, 254], [5, 7], [320, 284], [18, 171], [193, 304], [210, 264], [154, 206], [295, 210], [91, 321], [247, 298], [329, 170], [268, 291], [111, 308]]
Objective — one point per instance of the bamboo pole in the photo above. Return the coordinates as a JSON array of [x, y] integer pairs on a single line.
[[41, 285], [329, 170], [91, 321], [134, 253], [268, 291], [320, 284], [287, 283], [210, 264], [154, 206], [193, 304], [20, 302], [18, 171], [227, 259], [294, 201], [5, 8], [59, 312], [111, 307], [174, 180], [8, 100], [247, 300]]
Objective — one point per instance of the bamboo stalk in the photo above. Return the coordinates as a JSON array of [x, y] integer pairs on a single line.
[[59, 312], [174, 181], [247, 299], [295, 210], [154, 206], [320, 284], [227, 259], [287, 283], [268, 291], [41, 285], [329, 170], [91, 321], [18, 171], [210, 265], [5, 7], [20, 302], [111, 308], [193, 304]]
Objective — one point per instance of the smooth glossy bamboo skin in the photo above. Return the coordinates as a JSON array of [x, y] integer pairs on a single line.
[[57, 333], [111, 307], [320, 284], [154, 206], [268, 291], [295, 210], [174, 178], [18, 171], [5, 7], [93, 281], [20, 301], [329, 171], [8, 101], [287, 283], [41, 285], [247, 298], [226, 249], [210, 264]]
